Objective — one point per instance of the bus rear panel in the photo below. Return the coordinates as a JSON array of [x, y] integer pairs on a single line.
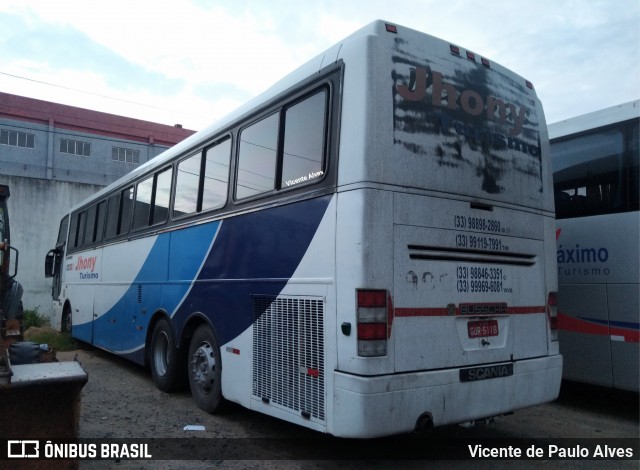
[[445, 248]]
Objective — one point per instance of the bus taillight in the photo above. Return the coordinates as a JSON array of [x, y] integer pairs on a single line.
[[372, 322], [552, 314]]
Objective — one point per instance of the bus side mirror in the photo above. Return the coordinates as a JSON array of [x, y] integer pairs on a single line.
[[49, 264], [14, 262]]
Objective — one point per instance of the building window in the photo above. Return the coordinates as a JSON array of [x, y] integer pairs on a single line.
[[75, 147], [17, 139], [120, 154]]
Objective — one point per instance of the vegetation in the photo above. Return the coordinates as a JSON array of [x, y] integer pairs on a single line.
[[33, 318], [55, 340]]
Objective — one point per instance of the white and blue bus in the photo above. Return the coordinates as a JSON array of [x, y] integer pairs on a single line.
[[595, 159], [366, 248]]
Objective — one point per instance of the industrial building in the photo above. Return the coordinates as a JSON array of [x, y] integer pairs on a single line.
[[52, 156]]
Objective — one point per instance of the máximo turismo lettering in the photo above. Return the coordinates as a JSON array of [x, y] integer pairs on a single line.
[[569, 259]]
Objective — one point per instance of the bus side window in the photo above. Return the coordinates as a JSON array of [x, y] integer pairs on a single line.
[[113, 212], [142, 204], [161, 196], [90, 230], [126, 202], [563, 203], [119, 213], [216, 176], [62, 231], [187, 184], [304, 141], [100, 221], [73, 231], [76, 234], [590, 171], [151, 204], [257, 158], [82, 221], [91, 233]]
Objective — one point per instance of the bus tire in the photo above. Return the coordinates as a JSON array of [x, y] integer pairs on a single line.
[[167, 368], [66, 323], [205, 370]]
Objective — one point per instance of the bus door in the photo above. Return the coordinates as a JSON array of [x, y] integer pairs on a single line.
[[53, 260]]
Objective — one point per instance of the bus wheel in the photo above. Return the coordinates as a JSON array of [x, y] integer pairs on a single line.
[[205, 370], [167, 369], [66, 324]]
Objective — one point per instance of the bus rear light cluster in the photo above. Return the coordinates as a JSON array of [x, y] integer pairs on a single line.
[[552, 314], [455, 50], [372, 322]]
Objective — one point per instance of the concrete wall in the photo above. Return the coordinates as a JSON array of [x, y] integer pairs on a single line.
[[45, 181], [35, 209]]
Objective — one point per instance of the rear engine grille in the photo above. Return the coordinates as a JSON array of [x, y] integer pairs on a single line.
[[288, 353]]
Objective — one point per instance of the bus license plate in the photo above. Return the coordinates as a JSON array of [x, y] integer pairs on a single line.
[[482, 328]]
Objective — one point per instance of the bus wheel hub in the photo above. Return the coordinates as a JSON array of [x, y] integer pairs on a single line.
[[203, 366]]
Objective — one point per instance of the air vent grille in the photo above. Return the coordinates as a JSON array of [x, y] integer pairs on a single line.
[[288, 354]]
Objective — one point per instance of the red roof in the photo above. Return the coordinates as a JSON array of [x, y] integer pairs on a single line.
[[88, 121]]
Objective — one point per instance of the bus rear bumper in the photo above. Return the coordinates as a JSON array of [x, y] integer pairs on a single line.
[[392, 404]]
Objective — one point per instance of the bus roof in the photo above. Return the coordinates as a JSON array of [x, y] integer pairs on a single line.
[[595, 119], [217, 128]]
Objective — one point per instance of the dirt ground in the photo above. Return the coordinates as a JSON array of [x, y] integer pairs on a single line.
[[121, 401]]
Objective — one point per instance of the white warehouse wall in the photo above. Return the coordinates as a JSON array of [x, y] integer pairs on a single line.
[[35, 209]]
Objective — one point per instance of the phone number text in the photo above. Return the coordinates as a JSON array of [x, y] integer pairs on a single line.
[[480, 279], [479, 224], [480, 242]]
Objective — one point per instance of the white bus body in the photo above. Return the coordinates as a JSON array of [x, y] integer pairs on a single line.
[[595, 159], [406, 278]]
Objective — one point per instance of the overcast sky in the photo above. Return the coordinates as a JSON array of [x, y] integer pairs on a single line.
[[193, 61]]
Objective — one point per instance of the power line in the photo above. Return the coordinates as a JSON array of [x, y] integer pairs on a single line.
[[83, 91], [122, 100]]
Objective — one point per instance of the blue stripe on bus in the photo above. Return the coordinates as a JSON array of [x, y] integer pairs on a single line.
[[83, 331], [253, 254], [611, 323], [179, 253]]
